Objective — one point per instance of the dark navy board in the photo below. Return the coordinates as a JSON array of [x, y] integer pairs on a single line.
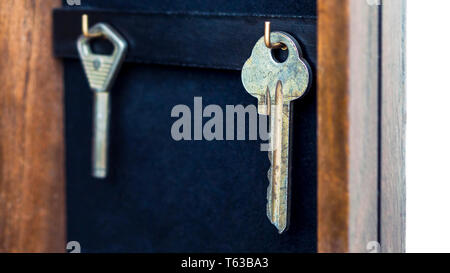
[[187, 196], [280, 7]]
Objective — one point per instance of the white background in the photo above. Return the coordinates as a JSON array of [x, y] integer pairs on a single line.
[[428, 126]]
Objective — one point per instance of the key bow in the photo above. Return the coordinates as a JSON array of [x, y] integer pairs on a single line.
[[261, 71]]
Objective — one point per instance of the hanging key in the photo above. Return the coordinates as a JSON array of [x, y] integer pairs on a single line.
[[101, 71], [275, 84]]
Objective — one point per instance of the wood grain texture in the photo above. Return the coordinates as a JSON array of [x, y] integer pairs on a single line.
[[32, 190], [347, 125], [333, 123], [393, 115], [364, 124]]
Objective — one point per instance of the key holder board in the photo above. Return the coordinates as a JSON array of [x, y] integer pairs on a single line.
[[163, 195], [208, 195], [166, 194]]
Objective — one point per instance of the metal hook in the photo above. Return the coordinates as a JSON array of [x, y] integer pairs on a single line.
[[267, 38], [85, 28]]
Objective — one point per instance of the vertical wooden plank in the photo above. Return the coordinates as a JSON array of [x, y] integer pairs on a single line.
[[393, 115], [364, 123], [32, 189], [333, 118], [348, 125]]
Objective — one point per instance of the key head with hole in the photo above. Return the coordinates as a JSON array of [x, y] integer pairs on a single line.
[[101, 70], [261, 72]]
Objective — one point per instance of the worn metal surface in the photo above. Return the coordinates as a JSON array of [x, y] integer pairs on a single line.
[[101, 71], [275, 85]]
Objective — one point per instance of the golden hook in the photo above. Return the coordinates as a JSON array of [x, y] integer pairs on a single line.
[[85, 28], [267, 38]]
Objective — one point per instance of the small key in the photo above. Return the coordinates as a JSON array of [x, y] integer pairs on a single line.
[[275, 85], [101, 71]]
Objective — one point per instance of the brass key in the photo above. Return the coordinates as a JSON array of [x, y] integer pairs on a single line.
[[101, 71], [275, 84]]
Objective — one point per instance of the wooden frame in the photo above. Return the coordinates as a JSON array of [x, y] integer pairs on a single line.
[[32, 187], [361, 125], [361, 113]]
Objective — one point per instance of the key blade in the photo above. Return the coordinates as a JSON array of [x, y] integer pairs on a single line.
[[277, 193], [100, 137]]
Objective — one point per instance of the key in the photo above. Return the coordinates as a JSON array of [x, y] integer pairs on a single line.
[[275, 85], [101, 71]]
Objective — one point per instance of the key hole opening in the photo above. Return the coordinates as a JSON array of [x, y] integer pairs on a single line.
[[279, 55], [101, 46]]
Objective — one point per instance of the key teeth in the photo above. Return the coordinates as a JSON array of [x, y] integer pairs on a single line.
[[269, 193], [280, 220], [280, 229]]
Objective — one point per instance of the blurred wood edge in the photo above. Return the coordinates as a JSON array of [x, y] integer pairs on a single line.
[[32, 170], [361, 125]]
